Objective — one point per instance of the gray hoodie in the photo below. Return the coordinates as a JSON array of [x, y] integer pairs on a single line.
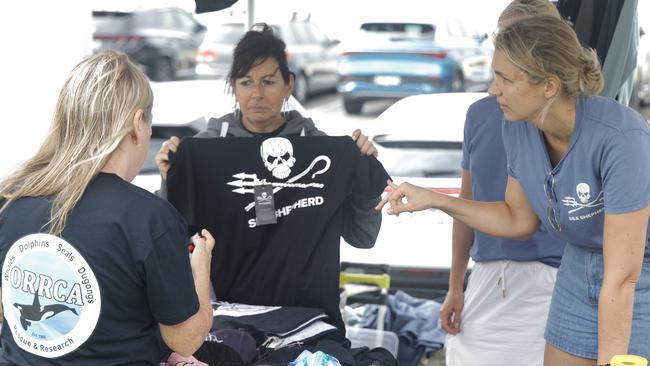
[[296, 125], [361, 222]]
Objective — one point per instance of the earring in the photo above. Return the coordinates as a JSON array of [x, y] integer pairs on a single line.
[[237, 111], [286, 113]]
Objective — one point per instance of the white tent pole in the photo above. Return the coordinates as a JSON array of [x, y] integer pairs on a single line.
[[250, 14]]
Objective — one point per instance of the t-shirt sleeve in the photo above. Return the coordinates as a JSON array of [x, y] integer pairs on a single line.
[[369, 175], [180, 181], [509, 144], [361, 221], [170, 284], [625, 168], [467, 137], [466, 154]]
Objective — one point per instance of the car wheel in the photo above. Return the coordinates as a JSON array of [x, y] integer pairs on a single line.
[[458, 82], [301, 87], [352, 106], [162, 70]]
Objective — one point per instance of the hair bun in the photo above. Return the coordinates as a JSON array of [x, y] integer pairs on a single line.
[[590, 80]]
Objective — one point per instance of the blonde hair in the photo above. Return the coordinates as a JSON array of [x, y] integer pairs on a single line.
[[94, 112], [519, 9], [544, 46]]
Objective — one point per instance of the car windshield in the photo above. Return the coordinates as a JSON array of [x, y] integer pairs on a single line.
[[408, 29], [151, 20], [110, 22], [421, 159], [226, 34]]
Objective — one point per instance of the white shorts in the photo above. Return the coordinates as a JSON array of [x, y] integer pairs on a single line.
[[504, 316]]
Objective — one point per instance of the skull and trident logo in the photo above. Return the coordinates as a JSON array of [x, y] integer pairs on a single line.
[[277, 156], [584, 195]]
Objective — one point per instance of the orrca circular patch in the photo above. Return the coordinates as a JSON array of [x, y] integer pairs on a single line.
[[50, 295]]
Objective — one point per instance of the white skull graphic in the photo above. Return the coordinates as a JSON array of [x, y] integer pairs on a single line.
[[584, 193], [277, 154]]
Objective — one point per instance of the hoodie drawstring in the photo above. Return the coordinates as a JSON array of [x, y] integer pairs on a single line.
[[501, 282], [224, 129]]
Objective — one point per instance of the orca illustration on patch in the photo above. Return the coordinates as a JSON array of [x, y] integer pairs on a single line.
[[36, 313]]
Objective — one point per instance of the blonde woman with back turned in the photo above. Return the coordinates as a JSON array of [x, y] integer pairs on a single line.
[[578, 164], [95, 268]]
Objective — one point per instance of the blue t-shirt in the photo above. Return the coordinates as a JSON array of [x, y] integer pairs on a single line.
[[485, 159], [605, 170]]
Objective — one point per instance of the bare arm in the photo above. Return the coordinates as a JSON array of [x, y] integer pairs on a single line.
[[186, 337], [513, 218], [461, 242], [624, 239], [462, 239]]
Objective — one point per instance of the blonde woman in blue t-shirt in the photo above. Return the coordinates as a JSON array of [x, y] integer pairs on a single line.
[[580, 165]]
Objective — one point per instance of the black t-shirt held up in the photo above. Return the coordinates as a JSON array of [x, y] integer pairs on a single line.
[[294, 262]]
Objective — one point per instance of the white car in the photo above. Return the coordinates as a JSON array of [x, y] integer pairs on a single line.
[[642, 81], [421, 143], [201, 100]]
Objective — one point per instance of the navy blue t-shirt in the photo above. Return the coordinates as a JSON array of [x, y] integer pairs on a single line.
[[485, 158], [94, 295]]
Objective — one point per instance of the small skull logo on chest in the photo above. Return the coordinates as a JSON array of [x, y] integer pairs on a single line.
[[583, 192], [277, 154]]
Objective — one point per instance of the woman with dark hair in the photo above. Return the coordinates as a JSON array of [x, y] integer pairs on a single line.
[[262, 83]]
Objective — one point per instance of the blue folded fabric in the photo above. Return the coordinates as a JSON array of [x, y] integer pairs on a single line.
[[414, 320]]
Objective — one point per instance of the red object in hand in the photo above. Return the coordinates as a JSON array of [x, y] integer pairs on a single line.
[[191, 246]]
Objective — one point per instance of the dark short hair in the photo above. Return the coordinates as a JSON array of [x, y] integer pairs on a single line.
[[256, 46]]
